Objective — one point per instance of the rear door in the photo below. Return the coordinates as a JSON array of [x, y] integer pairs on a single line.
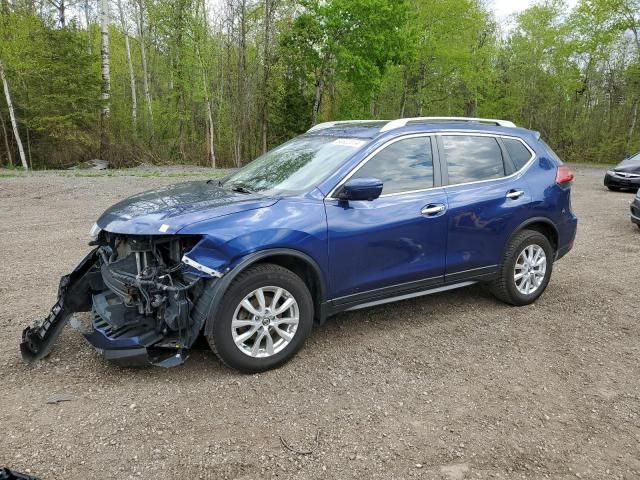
[[398, 238], [487, 200]]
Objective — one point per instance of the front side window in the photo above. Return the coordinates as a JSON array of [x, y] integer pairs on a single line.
[[403, 166], [520, 155], [471, 159], [295, 166]]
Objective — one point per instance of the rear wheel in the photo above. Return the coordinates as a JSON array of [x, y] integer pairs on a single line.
[[614, 189], [266, 315], [525, 270]]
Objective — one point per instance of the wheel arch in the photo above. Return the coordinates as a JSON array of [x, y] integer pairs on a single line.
[[296, 261], [542, 225]]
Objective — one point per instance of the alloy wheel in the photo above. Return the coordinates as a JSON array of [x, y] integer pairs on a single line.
[[265, 322], [530, 269]]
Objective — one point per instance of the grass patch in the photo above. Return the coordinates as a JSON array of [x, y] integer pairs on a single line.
[[5, 173], [120, 173]]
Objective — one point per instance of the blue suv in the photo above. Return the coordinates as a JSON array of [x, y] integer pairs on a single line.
[[347, 216]]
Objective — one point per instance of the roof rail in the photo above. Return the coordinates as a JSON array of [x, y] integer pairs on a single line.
[[325, 125], [402, 122]]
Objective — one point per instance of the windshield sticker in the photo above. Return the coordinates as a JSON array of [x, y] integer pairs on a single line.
[[348, 142]]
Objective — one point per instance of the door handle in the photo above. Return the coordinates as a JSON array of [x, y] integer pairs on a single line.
[[514, 194], [433, 209]]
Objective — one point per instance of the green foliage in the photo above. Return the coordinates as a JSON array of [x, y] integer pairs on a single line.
[[267, 69], [54, 84]]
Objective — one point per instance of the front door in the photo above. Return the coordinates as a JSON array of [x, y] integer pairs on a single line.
[[397, 241]]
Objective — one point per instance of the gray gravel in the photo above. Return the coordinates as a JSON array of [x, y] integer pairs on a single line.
[[451, 386]]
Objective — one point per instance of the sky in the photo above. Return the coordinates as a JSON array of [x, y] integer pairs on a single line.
[[504, 8]]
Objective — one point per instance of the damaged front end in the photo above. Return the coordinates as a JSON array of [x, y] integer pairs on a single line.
[[147, 301]]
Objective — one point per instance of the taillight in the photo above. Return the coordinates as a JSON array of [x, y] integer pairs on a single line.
[[564, 175]]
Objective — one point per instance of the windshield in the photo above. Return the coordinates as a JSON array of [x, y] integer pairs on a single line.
[[631, 160], [295, 166]]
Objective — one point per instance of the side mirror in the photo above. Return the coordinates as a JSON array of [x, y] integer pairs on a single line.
[[361, 189]]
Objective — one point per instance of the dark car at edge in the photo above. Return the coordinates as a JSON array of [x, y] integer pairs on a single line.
[[626, 175]]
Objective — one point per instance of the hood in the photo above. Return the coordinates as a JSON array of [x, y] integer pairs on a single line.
[[167, 210]]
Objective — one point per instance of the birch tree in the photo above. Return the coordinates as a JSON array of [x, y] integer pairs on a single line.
[[143, 57], [104, 56], [211, 155], [12, 116]]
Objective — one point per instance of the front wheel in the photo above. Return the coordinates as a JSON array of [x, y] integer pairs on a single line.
[[525, 270], [266, 315]]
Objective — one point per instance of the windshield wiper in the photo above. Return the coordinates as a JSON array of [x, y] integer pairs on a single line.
[[241, 189]]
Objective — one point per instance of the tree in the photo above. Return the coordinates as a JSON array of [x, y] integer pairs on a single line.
[[12, 115], [106, 76], [132, 77]]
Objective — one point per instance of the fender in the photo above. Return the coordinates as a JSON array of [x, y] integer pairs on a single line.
[[530, 221], [219, 288]]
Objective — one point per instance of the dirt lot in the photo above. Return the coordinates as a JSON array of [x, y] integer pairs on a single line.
[[450, 386]]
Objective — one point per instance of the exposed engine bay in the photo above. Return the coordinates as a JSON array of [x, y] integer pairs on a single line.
[[146, 301]]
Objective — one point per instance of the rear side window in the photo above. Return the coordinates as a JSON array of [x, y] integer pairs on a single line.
[[519, 154], [470, 159], [403, 166]]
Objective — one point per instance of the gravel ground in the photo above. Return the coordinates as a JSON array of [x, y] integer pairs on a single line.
[[451, 386]]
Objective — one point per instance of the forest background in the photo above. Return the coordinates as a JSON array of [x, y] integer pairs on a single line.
[[218, 82]]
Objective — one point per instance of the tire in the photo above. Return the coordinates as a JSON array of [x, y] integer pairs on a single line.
[[227, 338], [506, 287], [614, 189]]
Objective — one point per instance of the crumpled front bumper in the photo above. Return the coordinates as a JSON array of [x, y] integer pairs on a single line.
[[141, 342], [74, 295], [128, 347]]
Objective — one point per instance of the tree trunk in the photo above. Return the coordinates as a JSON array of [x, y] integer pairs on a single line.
[[104, 54], [211, 154], [210, 147], [132, 76], [317, 100], [264, 120], [422, 86], [405, 85], [6, 141], [61, 14], [241, 85], [12, 116], [60, 7], [29, 149], [143, 58], [106, 77], [85, 9], [634, 119]]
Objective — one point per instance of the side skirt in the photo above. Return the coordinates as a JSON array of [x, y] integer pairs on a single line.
[[412, 295], [408, 290]]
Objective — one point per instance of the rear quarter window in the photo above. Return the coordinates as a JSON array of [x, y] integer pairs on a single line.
[[520, 155]]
